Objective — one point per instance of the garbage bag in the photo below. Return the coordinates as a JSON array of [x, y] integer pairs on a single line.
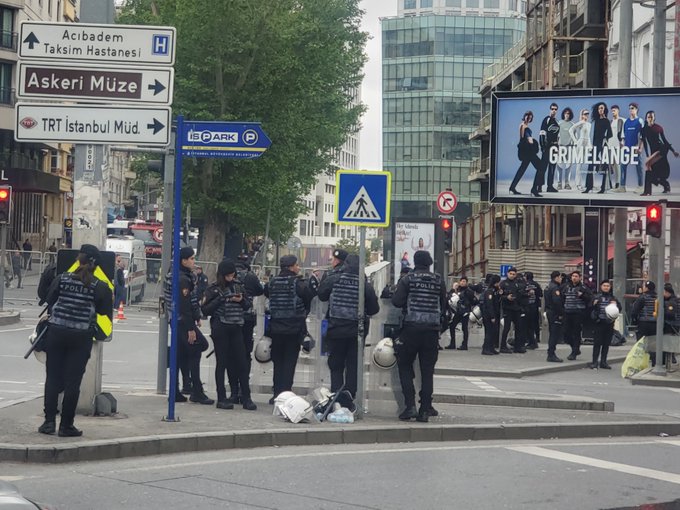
[[636, 360]]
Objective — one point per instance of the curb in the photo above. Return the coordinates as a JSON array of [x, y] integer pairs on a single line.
[[203, 441], [647, 378], [7, 319], [532, 402]]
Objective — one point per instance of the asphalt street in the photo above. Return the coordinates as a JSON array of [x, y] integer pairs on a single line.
[[540, 475]]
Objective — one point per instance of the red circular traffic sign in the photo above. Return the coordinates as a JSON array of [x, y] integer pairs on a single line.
[[157, 235], [447, 202]]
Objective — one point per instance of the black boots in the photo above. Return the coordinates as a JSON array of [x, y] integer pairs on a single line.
[[48, 426], [69, 431], [408, 413]]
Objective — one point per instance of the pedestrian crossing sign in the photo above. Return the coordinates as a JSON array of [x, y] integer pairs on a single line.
[[362, 198]]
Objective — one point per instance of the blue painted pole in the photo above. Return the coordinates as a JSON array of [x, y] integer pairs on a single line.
[[176, 226]]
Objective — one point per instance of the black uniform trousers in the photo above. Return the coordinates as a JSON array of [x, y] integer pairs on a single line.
[[533, 325], [342, 362], [67, 353], [555, 330], [463, 320], [189, 359], [603, 339], [423, 343], [573, 325], [490, 334], [232, 368], [285, 351], [513, 317], [230, 355]]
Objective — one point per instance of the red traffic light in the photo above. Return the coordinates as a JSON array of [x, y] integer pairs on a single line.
[[653, 212], [446, 224], [4, 194]]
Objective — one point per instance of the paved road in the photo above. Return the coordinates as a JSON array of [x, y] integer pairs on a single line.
[[510, 475]]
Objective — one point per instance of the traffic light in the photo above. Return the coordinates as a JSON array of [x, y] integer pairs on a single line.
[[447, 227], [5, 203], [654, 213]]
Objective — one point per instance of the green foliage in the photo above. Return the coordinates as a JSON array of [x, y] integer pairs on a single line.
[[349, 245], [291, 65], [376, 244]]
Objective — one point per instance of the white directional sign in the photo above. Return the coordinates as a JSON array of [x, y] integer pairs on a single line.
[[105, 44], [88, 82], [97, 124]]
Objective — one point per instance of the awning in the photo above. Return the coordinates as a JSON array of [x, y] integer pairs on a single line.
[[578, 261], [26, 179]]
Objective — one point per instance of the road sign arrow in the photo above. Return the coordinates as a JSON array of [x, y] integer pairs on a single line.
[[157, 87], [32, 40], [156, 126]]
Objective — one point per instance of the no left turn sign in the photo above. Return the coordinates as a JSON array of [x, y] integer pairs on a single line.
[[447, 202]]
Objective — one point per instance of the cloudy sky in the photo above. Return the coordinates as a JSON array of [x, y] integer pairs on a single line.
[[371, 133]]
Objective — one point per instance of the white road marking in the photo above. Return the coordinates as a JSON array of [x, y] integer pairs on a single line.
[[10, 356], [481, 384], [16, 329], [13, 382], [15, 401], [134, 331], [12, 478], [597, 463]]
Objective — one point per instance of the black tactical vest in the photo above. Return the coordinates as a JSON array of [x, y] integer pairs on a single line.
[[423, 306], [284, 303], [572, 302], [531, 289], [647, 312], [229, 312], [249, 314], [344, 301], [604, 300], [74, 308]]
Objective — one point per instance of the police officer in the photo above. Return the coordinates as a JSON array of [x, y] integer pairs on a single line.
[[604, 326], [253, 289], [289, 302], [577, 298], [643, 313], [490, 304], [512, 293], [75, 300], [341, 290], [226, 302], [532, 310], [554, 310], [671, 316], [422, 296], [189, 342], [461, 315]]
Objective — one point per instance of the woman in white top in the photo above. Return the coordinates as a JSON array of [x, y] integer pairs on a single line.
[[564, 169], [580, 135]]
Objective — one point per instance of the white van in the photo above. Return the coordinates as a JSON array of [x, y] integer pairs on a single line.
[[133, 254]]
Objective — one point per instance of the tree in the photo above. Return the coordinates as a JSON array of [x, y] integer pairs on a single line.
[[349, 245], [292, 65]]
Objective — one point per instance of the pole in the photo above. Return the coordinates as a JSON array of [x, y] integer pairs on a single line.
[[265, 246], [659, 41], [660, 243], [168, 181], [3, 262], [360, 401], [675, 213], [177, 227]]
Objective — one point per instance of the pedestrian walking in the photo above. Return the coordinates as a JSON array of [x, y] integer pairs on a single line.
[[577, 298], [604, 324], [341, 290], [554, 310], [422, 296], [28, 248], [74, 299], [16, 267]]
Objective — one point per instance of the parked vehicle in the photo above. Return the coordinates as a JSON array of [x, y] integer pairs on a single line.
[[134, 255]]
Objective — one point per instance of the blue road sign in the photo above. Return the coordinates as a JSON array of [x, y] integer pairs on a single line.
[[362, 198], [504, 270], [236, 140]]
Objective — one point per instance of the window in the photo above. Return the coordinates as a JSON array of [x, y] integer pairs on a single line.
[[54, 162], [454, 3], [492, 4], [471, 3], [5, 83], [409, 4], [425, 4], [7, 38]]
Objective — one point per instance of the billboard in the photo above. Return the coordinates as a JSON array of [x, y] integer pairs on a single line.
[[590, 147], [409, 237]]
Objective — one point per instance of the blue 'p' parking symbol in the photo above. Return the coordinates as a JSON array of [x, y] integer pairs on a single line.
[[161, 45]]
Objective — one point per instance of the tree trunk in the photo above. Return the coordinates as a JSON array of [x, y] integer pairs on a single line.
[[212, 243]]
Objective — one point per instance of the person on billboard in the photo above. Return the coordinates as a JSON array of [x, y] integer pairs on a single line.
[[580, 135], [564, 140], [632, 137], [602, 131], [548, 137], [657, 167], [527, 152], [616, 141], [404, 261]]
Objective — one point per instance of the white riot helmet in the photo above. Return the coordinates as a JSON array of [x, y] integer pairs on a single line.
[[41, 356], [297, 409], [280, 400], [612, 311], [308, 343], [453, 301], [263, 350], [383, 354], [476, 314]]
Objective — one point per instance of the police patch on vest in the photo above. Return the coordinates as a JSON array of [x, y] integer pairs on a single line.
[[185, 292]]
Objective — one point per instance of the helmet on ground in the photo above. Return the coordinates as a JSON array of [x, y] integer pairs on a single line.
[[263, 350], [476, 314], [297, 409], [453, 301], [308, 344], [383, 354], [280, 400], [321, 397], [612, 311]]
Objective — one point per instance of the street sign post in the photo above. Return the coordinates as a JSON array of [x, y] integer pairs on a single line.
[[99, 124], [235, 140], [93, 83], [105, 44], [362, 198], [447, 202]]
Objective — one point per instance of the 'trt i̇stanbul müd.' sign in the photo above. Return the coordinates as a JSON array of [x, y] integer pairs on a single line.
[[605, 147]]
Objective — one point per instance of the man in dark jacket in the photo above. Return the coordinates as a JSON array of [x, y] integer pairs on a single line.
[[512, 294], [604, 325], [422, 296], [341, 290], [461, 313], [643, 312], [289, 302], [531, 307], [577, 298], [201, 283], [490, 304], [554, 310]]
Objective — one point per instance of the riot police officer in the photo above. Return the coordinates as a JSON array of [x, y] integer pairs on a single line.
[[643, 312], [490, 304], [226, 302], [577, 298], [554, 310], [512, 293], [604, 325], [531, 306], [341, 289], [422, 296], [75, 300], [289, 302], [466, 300]]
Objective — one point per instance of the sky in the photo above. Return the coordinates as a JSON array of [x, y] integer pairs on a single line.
[[370, 141]]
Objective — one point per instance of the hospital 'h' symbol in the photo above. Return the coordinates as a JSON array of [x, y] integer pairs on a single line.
[[161, 45]]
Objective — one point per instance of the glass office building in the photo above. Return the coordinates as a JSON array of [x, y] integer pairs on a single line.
[[432, 68]]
